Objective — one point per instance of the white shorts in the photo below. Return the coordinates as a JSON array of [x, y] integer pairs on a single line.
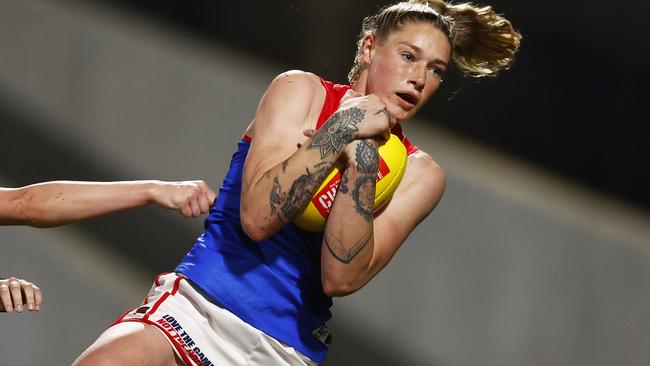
[[203, 334]]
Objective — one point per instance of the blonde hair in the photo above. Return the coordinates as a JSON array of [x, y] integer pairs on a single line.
[[483, 42]]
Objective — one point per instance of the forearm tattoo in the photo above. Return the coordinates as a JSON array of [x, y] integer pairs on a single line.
[[337, 131], [340, 252], [299, 194], [330, 139], [343, 186], [367, 157], [363, 193], [285, 164], [276, 197], [290, 203]]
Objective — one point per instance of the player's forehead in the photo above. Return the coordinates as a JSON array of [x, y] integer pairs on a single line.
[[420, 36]]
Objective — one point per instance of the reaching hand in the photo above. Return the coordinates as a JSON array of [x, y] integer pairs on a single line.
[[16, 293], [190, 198]]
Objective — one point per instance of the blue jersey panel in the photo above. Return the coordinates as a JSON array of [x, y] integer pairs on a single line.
[[274, 285]]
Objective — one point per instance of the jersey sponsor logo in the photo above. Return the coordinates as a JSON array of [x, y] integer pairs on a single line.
[[322, 333]]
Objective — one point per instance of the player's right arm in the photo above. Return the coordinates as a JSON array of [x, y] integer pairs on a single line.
[[63, 202], [278, 181]]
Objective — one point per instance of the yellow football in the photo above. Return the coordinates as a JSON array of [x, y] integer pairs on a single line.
[[392, 164]]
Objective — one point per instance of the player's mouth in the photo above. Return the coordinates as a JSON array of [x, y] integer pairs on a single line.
[[407, 100]]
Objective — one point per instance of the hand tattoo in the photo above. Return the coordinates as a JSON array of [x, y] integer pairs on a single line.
[[337, 131]]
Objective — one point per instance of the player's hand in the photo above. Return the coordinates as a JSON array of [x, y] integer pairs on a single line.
[[369, 115], [190, 198], [17, 294]]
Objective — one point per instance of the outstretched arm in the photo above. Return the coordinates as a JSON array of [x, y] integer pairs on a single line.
[[62, 202]]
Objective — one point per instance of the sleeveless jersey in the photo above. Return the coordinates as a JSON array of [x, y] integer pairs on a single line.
[[274, 284]]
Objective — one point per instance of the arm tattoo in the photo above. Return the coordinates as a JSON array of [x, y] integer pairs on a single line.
[[299, 194], [363, 196], [342, 254], [337, 131], [276, 197], [367, 157], [343, 186]]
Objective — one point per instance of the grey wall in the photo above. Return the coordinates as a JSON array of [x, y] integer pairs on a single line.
[[515, 267]]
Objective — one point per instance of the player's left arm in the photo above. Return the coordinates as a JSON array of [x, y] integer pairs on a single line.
[[416, 196]]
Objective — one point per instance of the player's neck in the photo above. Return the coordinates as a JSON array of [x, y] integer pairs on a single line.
[[361, 85]]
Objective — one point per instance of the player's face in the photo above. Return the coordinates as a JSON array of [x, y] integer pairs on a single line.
[[407, 66]]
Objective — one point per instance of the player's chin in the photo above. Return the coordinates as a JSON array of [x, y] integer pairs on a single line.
[[400, 113]]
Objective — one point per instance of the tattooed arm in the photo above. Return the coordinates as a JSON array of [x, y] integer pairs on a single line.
[[279, 180], [356, 245]]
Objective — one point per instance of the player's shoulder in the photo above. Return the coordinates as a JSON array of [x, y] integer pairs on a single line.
[[303, 80], [297, 92], [296, 88]]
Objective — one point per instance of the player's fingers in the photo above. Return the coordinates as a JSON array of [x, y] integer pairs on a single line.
[[196, 210], [204, 204], [205, 194], [28, 294], [392, 121], [5, 297], [386, 136], [16, 294], [38, 298], [185, 209], [210, 195]]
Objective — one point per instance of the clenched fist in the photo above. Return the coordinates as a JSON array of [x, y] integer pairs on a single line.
[[190, 198]]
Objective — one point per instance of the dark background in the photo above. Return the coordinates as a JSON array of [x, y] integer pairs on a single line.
[[574, 102]]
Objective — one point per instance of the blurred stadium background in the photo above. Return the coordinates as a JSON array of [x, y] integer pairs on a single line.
[[539, 253]]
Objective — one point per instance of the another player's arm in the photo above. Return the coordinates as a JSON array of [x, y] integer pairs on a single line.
[[278, 180], [62, 202], [357, 246]]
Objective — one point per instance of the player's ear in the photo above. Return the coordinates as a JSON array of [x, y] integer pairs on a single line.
[[369, 47]]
